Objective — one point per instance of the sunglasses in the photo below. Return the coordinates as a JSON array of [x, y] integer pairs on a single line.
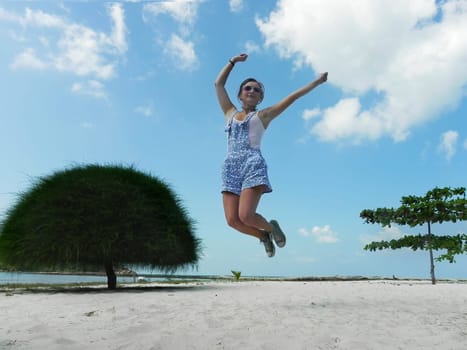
[[249, 88]]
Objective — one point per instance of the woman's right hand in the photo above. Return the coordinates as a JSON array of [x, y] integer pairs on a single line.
[[239, 58]]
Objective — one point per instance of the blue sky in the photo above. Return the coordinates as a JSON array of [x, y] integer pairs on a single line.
[[132, 83]]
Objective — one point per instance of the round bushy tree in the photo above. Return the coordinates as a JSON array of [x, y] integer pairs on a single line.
[[94, 216]]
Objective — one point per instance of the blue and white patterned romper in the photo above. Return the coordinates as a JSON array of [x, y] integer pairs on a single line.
[[244, 166]]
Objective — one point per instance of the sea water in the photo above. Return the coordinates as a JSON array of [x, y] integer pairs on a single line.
[[44, 278], [56, 278]]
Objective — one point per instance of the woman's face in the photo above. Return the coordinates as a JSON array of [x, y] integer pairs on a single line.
[[251, 93]]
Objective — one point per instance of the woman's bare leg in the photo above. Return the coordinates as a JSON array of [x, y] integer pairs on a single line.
[[231, 210], [249, 200], [240, 212]]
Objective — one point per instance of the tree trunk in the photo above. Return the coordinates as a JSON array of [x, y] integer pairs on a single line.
[[432, 264], [111, 277]]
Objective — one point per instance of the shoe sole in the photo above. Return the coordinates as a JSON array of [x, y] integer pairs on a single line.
[[273, 252], [273, 248], [277, 234]]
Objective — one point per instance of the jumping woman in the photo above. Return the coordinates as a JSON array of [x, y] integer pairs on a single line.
[[244, 173]]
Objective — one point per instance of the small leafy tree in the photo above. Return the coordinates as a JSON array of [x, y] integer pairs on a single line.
[[237, 275], [100, 217], [437, 206]]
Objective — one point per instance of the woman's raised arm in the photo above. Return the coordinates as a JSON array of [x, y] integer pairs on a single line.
[[223, 98], [268, 114]]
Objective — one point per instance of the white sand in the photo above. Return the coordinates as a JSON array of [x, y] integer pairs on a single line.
[[241, 315]]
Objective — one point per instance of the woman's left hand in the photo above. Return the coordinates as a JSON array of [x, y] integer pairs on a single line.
[[323, 77]]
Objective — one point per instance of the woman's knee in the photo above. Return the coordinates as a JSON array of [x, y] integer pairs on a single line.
[[233, 221], [247, 218], [240, 221]]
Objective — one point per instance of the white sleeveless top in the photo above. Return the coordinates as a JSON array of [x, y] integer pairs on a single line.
[[255, 129]]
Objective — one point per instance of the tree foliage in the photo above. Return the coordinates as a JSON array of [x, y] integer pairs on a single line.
[[436, 206], [453, 245], [95, 216]]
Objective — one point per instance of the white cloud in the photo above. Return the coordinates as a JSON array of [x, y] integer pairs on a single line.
[[16, 37], [387, 234], [8, 16], [146, 110], [85, 51], [309, 114], [118, 36], [28, 19], [347, 120], [38, 18], [251, 46], [28, 59], [71, 47], [236, 5], [92, 88], [182, 52], [321, 234], [448, 143], [394, 50], [178, 47], [81, 53], [182, 11]]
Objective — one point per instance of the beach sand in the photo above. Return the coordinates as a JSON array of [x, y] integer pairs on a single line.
[[241, 315]]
